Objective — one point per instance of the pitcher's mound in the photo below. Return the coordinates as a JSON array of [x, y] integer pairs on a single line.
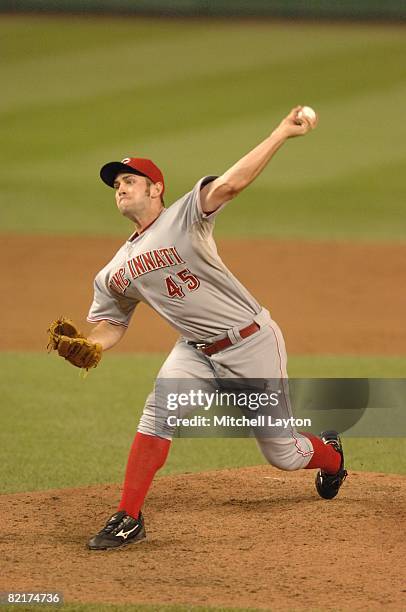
[[253, 537]]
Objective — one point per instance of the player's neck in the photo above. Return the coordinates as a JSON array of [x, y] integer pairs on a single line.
[[143, 214], [142, 223]]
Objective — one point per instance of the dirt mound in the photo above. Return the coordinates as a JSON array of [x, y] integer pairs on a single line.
[[252, 537], [327, 297]]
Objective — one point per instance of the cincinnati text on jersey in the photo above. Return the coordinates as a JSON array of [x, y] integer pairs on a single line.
[[143, 264]]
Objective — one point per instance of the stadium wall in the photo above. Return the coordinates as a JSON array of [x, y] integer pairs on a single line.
[[330, 9]]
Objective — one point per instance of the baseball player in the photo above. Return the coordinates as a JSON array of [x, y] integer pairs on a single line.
[[171, 263]]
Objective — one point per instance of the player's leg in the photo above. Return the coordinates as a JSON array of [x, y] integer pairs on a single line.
[[153, 439], [263, 355], [326, 452], [296, 451], [292, 450], [151, 446]]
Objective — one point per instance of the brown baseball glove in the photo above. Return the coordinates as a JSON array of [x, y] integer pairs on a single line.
[[65, 338]]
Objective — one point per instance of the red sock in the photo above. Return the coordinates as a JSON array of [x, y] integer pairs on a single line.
[[325, 456], [147, 455]]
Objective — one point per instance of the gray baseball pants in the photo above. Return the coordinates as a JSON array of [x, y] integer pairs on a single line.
[[260, 356]]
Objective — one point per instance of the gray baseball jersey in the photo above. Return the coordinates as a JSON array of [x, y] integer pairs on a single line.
[[173, 266]]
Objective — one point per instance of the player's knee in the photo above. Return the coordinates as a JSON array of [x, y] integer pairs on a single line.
[[152, 427], [286, 462], [154, 422], [284, 454]]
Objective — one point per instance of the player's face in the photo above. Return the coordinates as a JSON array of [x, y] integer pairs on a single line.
[[132, 194]]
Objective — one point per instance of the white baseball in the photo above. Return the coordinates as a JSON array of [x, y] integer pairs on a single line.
[[308, 113]]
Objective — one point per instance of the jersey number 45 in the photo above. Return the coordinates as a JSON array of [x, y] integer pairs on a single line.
[[188, 280]]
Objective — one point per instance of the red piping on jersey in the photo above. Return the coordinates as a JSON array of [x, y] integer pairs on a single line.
[[297, 444]]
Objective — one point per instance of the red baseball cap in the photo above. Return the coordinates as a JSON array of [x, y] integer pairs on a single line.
[[135, 165]]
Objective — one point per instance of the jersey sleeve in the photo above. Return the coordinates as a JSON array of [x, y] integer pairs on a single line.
[[107, 306], [192, 204]]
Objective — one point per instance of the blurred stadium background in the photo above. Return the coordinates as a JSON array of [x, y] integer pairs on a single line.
[[363, 9]]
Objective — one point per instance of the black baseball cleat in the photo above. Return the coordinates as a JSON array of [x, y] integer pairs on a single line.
[[120, 530], [328, 485]]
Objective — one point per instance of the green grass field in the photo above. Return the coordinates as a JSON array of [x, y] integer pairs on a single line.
[[58, 430], [195, 97]]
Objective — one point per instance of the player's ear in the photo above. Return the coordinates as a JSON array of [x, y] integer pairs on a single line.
[[157, 189]]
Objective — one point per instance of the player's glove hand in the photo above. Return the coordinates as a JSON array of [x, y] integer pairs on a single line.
[[65, 338]]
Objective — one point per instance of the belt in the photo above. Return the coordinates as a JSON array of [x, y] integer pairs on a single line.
[[220, 345]]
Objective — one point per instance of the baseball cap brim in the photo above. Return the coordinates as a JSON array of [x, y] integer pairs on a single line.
[[109, 172]]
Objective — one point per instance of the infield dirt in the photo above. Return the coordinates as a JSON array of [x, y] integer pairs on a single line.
[[252, 537], [327, 297]]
